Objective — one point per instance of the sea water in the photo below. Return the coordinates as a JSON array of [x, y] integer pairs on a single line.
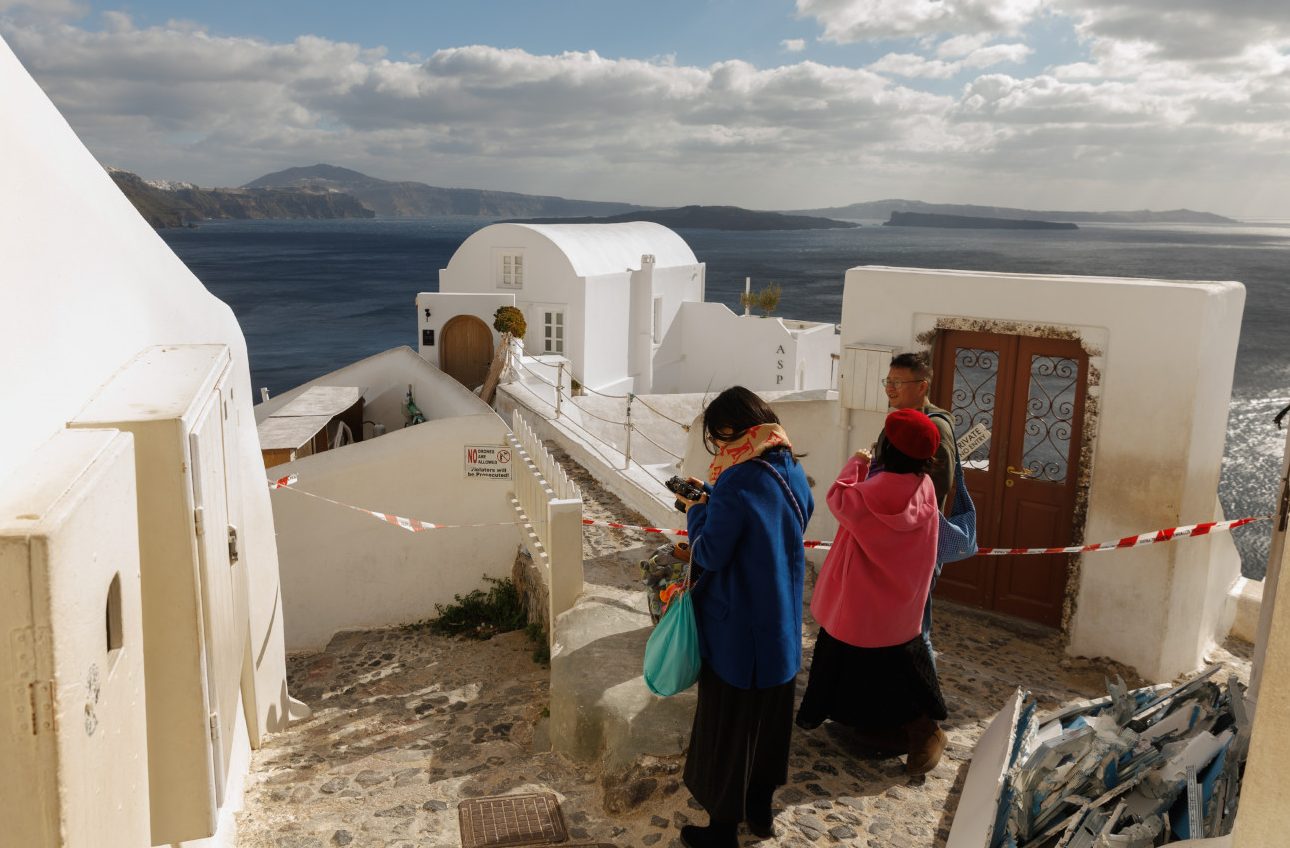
[[312, 296]]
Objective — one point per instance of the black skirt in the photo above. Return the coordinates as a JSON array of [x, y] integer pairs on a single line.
[[740, 738], [871, 689]]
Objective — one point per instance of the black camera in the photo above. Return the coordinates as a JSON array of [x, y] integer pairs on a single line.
[[684, 488]]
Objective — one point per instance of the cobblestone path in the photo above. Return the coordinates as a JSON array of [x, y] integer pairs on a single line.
[[406, 724]]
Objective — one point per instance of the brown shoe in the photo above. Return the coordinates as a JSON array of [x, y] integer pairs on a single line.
[[926, 744]]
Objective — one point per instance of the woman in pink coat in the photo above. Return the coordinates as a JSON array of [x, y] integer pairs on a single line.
[[871, 668]]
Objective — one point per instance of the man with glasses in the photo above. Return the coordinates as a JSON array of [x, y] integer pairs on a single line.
[[908, 381]]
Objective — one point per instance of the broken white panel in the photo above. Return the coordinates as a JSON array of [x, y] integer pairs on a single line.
[[1048, 732], [974, 820], [1199, 751], [1177, 720]]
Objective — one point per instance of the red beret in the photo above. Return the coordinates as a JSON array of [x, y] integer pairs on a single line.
[[912, 433]]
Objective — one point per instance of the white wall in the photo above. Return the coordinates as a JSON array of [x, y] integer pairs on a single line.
[[444, 306], [80, 301], [471, 268], [677, 285], [600, 360], [709, 348], [345, 570], [1167, 353]]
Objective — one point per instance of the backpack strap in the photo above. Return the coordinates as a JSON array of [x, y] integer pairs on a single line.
[[946, 418], [792, 498]]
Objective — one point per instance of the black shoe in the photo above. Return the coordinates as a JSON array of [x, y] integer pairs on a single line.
[[715, 835], [757, 811], [807, 723], [762, 824]]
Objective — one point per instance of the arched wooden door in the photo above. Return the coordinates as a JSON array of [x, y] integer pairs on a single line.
[[465, 350], [1030, 393]]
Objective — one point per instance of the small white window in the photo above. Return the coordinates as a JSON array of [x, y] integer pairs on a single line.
[[552, 332], [658, 320], [510, 271]]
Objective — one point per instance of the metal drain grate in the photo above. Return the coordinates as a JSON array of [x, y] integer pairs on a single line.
[[511, 820]]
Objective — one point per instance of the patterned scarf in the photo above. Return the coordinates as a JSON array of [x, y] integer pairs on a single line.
[[754, 441]]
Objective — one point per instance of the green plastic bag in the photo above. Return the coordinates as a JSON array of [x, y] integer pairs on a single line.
[[672, 652]]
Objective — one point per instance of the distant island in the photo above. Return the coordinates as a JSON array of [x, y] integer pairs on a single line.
[[880, 209], [970, 222], [707, 218], [326, 191], [185, 204], [417, 200], [330, 191]]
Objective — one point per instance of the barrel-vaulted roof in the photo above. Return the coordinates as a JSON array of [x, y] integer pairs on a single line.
[[595, 249]]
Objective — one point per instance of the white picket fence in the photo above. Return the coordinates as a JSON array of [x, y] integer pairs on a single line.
[[550, 507]]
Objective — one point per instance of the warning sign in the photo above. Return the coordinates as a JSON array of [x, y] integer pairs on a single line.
[[488, 461], [973, 439]]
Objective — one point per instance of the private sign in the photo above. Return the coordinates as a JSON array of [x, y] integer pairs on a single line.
[[492, 461]]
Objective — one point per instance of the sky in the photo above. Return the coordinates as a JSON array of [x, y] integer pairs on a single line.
[[767, 104]]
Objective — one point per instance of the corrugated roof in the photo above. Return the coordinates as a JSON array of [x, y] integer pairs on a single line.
[[595, 249]]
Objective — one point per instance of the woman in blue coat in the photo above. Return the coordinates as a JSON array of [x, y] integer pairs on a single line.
[[746, 535]]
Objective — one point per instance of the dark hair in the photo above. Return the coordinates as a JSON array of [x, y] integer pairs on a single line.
[[919, 363], [731, 413], [899, 462]]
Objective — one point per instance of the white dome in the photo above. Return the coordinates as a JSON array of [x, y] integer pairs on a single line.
[[595, 249]]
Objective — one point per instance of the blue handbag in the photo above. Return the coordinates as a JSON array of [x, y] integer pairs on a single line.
[[956, 539], [672, 652]]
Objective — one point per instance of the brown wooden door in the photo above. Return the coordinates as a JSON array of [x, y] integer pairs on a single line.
[[466, 349], [1030, 393]]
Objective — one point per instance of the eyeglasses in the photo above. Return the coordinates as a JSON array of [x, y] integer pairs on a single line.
[[896, 384]]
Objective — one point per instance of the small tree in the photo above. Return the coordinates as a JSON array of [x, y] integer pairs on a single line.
[[510, 322], [509, 319], [747, 300], [767, 299]]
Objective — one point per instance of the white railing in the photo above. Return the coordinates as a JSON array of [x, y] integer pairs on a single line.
[[550, 508]]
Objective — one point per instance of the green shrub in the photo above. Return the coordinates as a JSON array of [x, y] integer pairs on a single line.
[[541, 650], [480, 614], [768, 299]]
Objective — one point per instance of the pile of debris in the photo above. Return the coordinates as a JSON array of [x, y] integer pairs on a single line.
[[1135, 769]]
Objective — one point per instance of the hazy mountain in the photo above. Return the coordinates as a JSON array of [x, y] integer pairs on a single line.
[[973, 222], [186, 204], [418, 200], [708, 218], [884, 208]]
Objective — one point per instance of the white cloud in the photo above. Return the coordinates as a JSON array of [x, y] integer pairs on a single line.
[[178, 102], [43, 8], [1188, 30], [1124, 120], [793, 45], [913, 65], [959, 46], [846, 21]]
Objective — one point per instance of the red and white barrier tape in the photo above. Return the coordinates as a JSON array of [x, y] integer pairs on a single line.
[[809, 543], [1166, 535], [412, 525]]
